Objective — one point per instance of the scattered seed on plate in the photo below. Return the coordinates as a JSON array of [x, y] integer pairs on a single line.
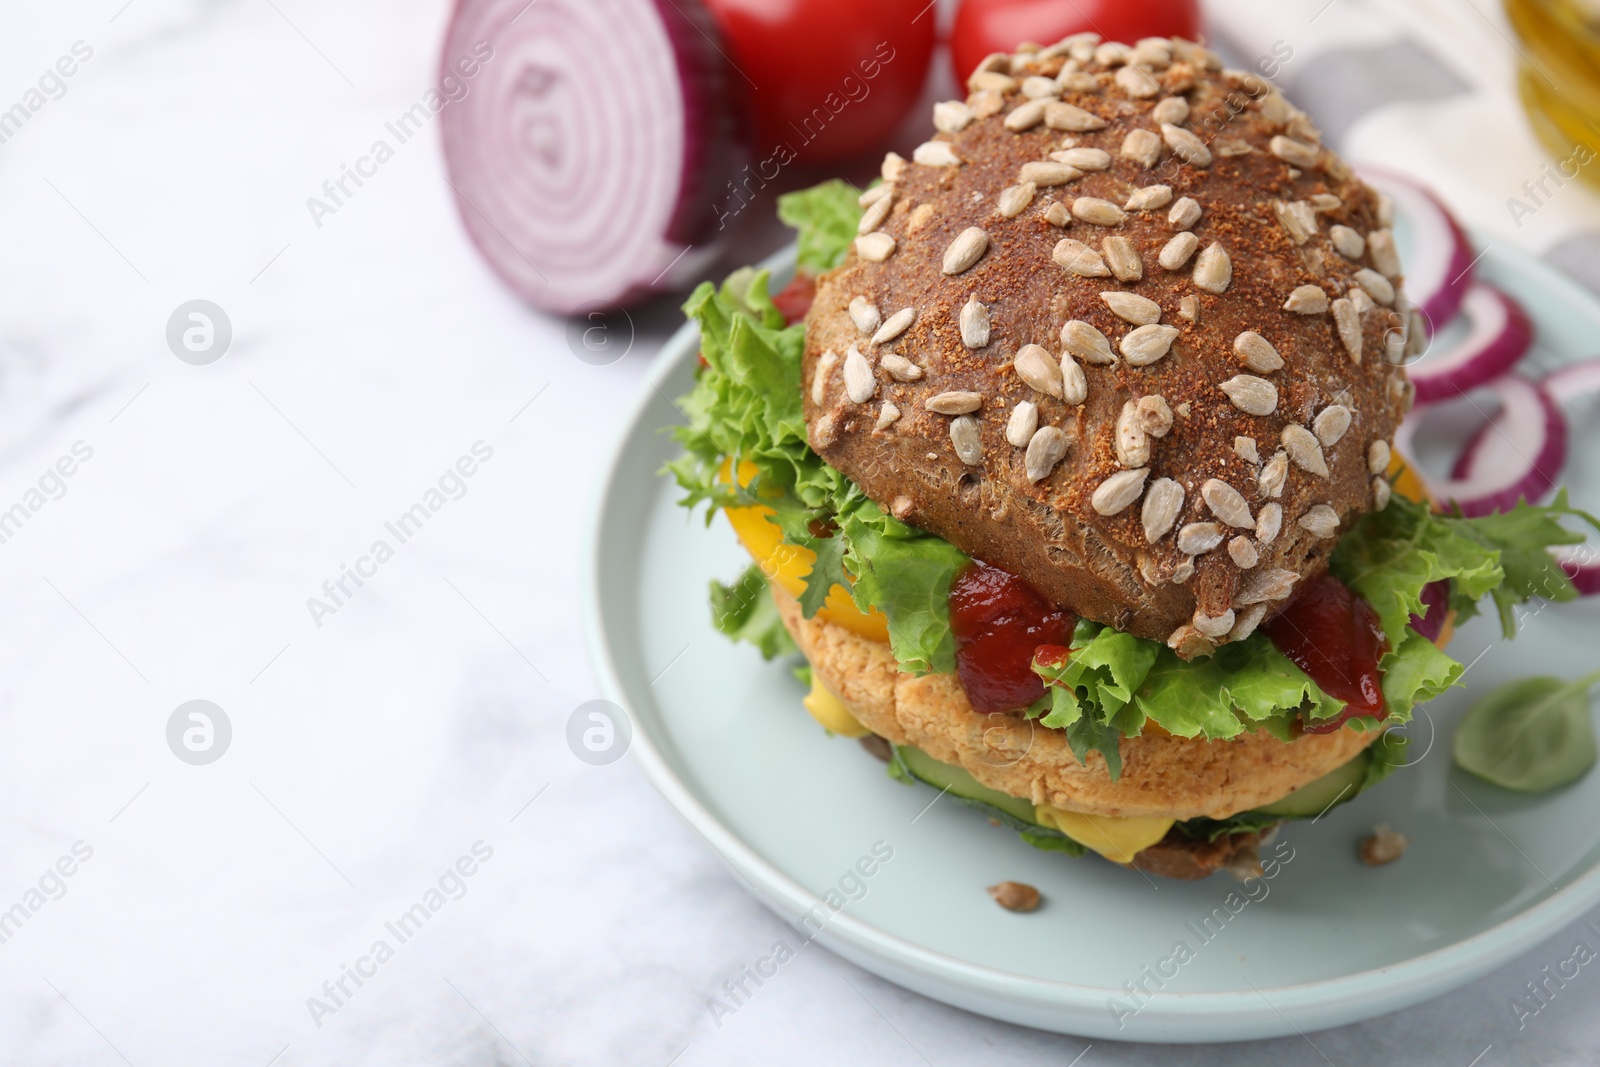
[[1171, 111], [1046, 449], [1046, 174], [1074, 385], [1378, 457], [1307, 300], [1100, 212], [819, 379], [1347, 242], [974, 323], [1149, 198], [1184, 214], [1015, 896], [1025, 117], [936, 154], [968, 247], [1162, 502], [952, 116], [1213, 270], [887, 415], [1143, 346], [875, 247], [1251, 395], [1381, 250], [1155, 417], [955, 402], [1295, 153], [1321, 520], [1304, 450], [1143, 147], [1376, 285], [895, 325], [1023, 422], [1227, 503], [1112, 496], [1123, 259], [1071, 118], [1014, 200], [864, 313], [1185, 145], [1348, 321], [1274, 475], [1257, 353], [900, 368], [1198, 538], [1177, 252], [1039, 369], [1330, 424], [1078, 258], [1083, 341], [1132, 443], [859, 383], [967, 438]]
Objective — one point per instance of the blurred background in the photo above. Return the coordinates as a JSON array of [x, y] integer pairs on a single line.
[[282, 281]]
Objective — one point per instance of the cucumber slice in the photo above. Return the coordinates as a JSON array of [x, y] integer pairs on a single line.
[[962, 785], [1314, 798]]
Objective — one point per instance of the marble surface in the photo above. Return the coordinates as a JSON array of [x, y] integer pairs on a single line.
[[413, 728]]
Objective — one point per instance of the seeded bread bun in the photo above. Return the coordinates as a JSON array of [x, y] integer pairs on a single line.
[[1176, 777], [978, 365]]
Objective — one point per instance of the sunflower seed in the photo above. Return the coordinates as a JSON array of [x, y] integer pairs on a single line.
[[1213, 625], [1251, 395], [1137, 82], [873, 217], [1123, 258], [1326, 202], [887, 415], [966, 436], [1348, 321], [1363, 303], [1331, 423], [1112, 53], [1185, 145], [823, 432], [1189, 308], [974, 324], [1152, 52], [996, 61], [859, 384], [952, 116], [1243, 552], [1228, 147], [1023, 422], [936, 154], [1259, 587], [1295, 153], [1130, 307], [1143, 346], [991, 80], [1099, 212], [919, 218], [1069, 117], [1276, 109], [1025, 117], [1112, 496], [1014, 200], [1083, 341], [894, 166], [874, 194], [1198, 538], [1057, 214], [1416, 335], [900, 368], [1155, 417], [1177, 252], [1143, 147], [1078, 258], [1078, 82], [1213, 270], [819, 377], [1321, 520], [1047, 448], [1307, 300], [1039, 370], [1183, 572], [1297, 219], [1378, 457], [1247, 621], [1381, 492], [895, 325], [1269, 520], [1038, 87], [1172, 111], [955, 402], [1304, 449], [875, 247], [1162, 502], [1347, 242], [1257, 353], [1381, 249], [1184, 214], [1271, 480], [1227, 503], [968, 247], [1132, 443], [1245, 449], [864, 313], [1379, 287], [1150, 198], [986, 103], [1041, 174]]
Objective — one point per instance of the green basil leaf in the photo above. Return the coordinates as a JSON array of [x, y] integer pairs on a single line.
[[1530, 735]]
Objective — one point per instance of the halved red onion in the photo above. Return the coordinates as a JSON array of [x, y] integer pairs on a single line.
[[1499, 333], [1438, 266], [591, 144], [1435, 609], [1581, 563], [1574, 380], [1516, 455]]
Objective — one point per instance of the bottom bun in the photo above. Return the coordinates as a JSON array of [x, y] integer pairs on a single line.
[[1162, 775]]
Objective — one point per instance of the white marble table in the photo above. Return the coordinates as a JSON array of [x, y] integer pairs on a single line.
[[412, 723]]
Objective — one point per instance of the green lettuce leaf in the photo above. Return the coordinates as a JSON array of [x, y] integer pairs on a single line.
[[826, 217], [744, 611]]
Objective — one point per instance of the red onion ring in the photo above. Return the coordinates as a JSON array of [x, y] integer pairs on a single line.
[[1516, 455], [1581, 563], [1500, 333], [1438, 270], [587, 153]]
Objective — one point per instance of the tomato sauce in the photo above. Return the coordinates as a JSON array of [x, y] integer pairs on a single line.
[[999, 621], [1334, 636], [795, 299]]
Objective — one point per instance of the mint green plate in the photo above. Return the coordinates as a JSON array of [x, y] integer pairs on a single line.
[[798, 814]]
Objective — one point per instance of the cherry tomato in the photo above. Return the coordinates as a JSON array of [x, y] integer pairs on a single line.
[[824, 79], [986, 26]]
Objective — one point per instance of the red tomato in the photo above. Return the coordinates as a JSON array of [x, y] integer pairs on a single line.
[[825, 79], [985, 26]]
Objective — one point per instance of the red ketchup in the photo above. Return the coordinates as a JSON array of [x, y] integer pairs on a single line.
[[998, 622], [1333, 635], [794, 299]]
